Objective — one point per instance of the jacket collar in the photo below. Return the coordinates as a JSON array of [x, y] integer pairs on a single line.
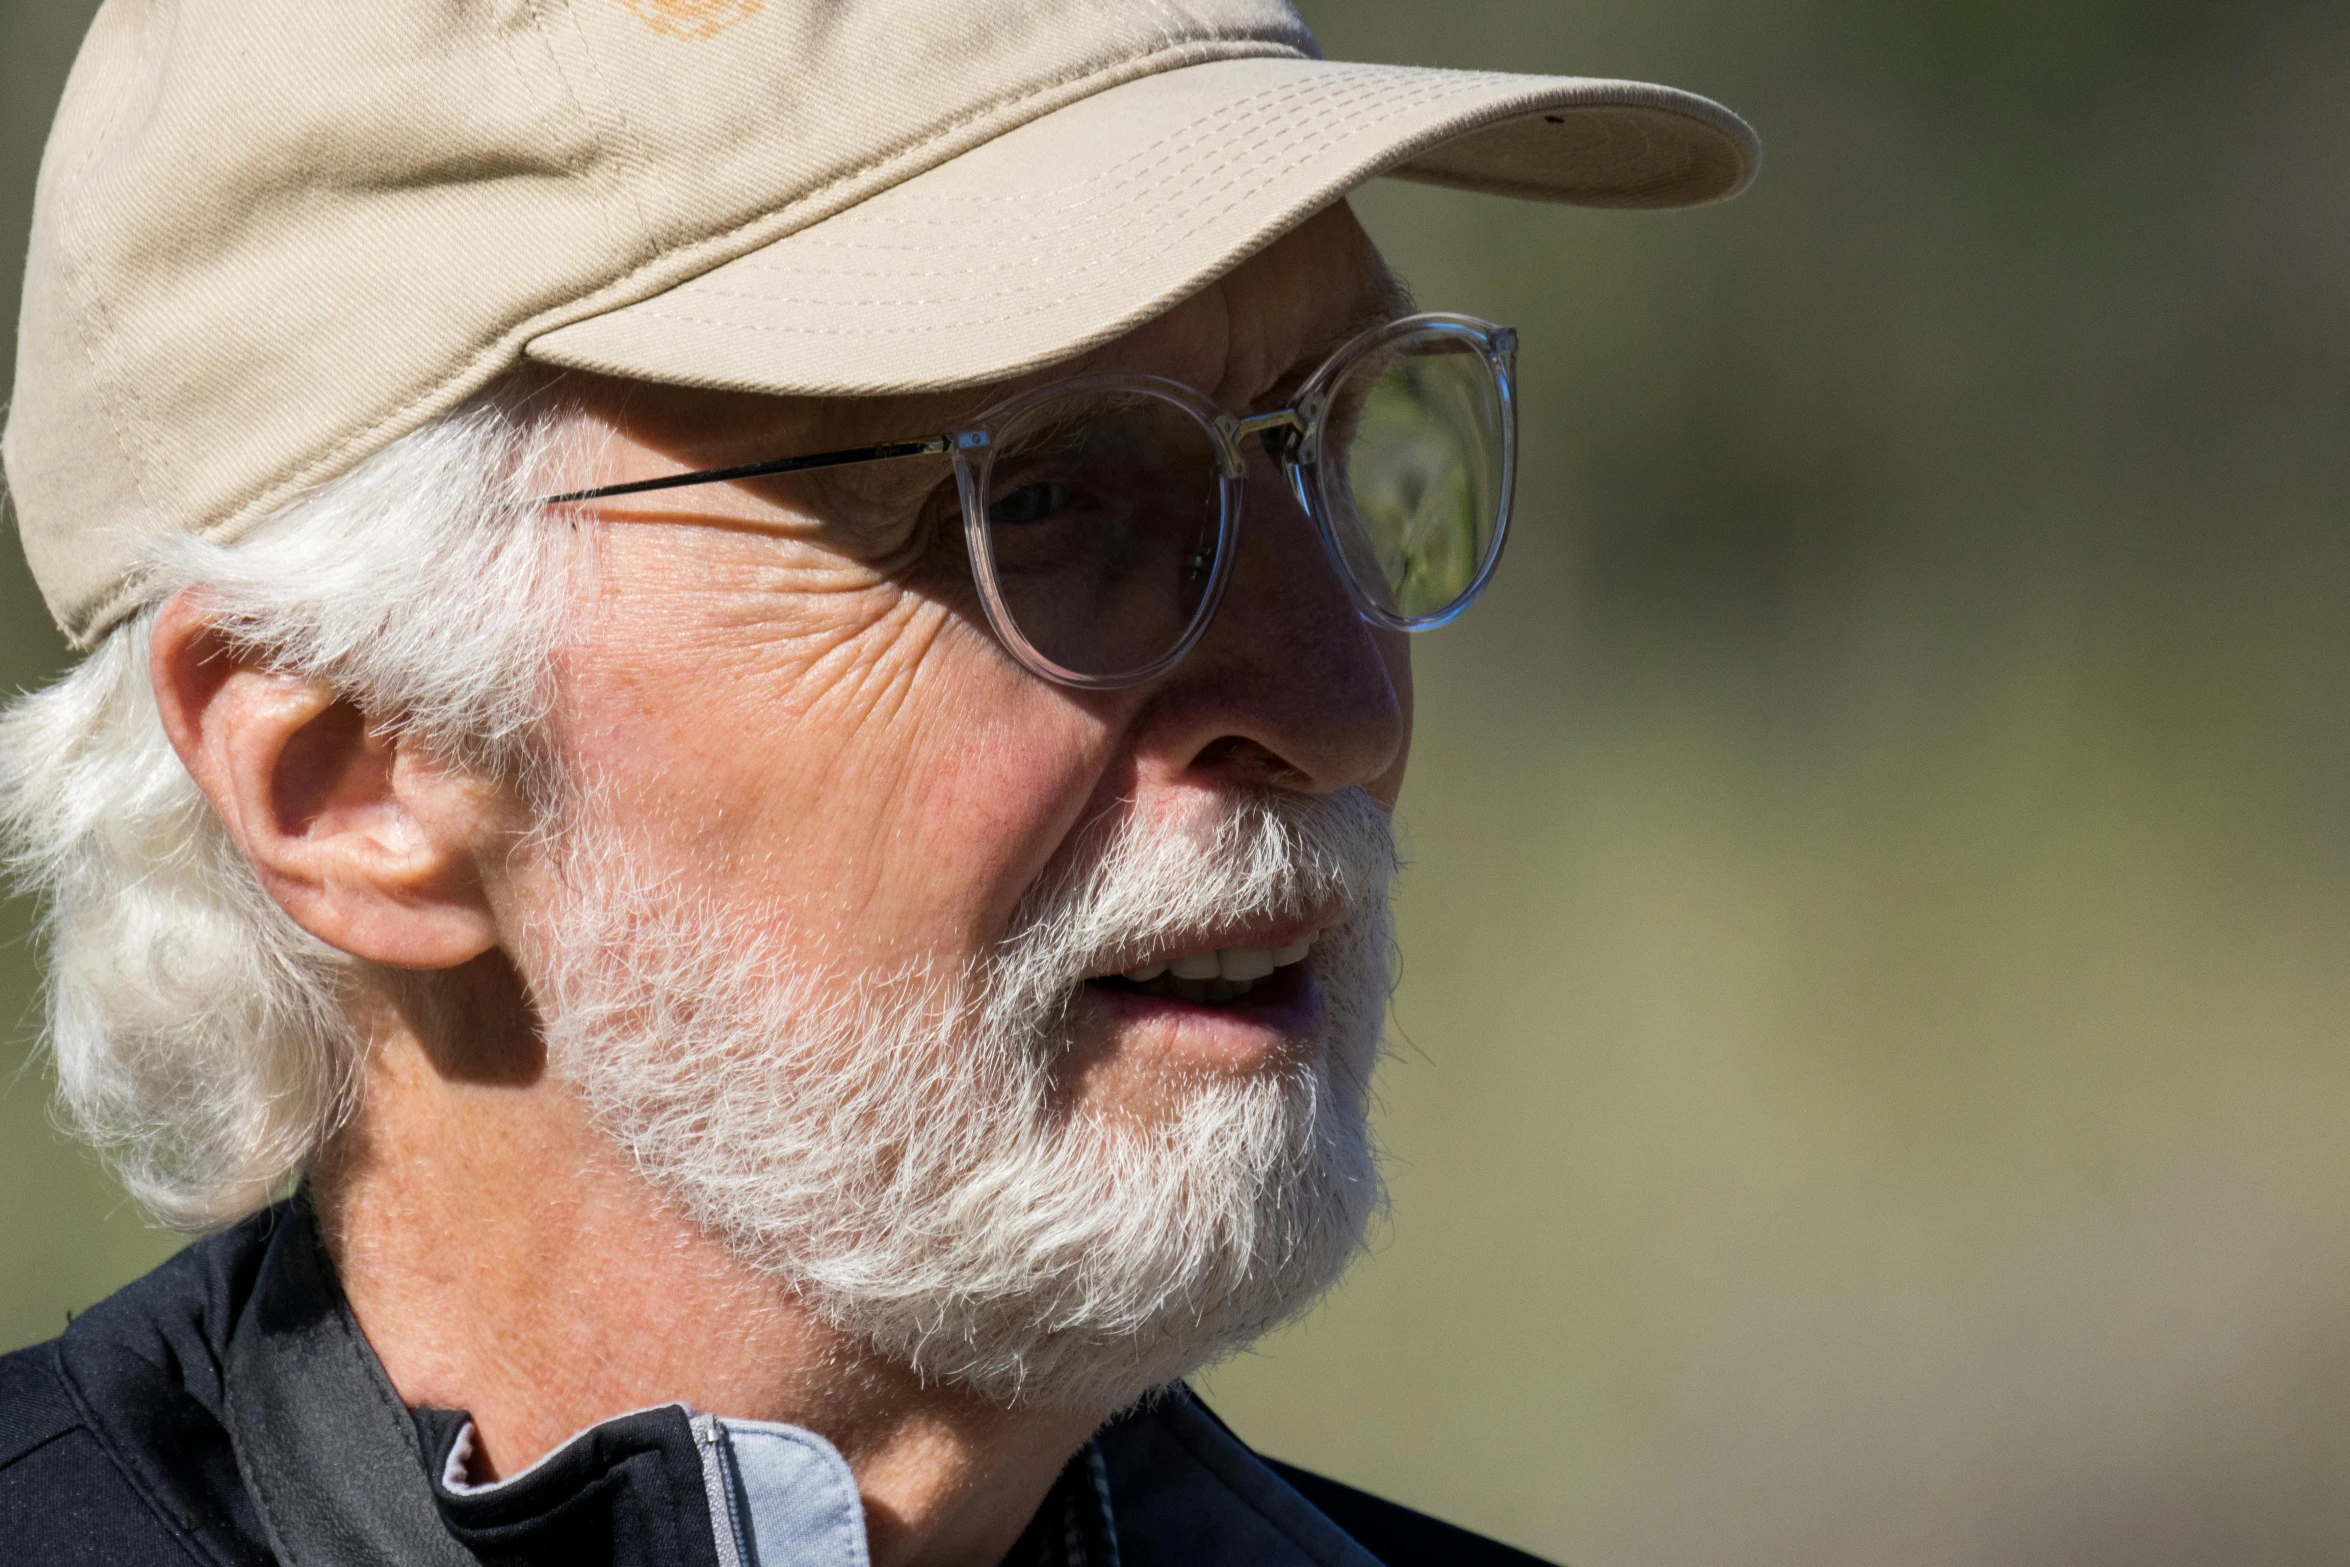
[[344, 1475]]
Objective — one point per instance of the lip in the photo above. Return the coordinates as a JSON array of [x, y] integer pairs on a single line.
[[1281, 1016], [1263, 937]]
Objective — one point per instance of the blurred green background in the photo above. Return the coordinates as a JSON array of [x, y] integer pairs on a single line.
[[1870, 1081]]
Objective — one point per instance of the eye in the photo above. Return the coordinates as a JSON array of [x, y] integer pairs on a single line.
[[1031, 503]]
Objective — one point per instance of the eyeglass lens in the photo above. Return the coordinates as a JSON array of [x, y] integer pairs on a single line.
[[1411, 470], [1103, 510], [1105, 506]]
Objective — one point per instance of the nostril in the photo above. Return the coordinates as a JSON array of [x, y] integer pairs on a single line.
[[1238, 759]]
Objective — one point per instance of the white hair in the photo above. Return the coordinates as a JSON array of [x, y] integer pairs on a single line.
[[200, 1037]]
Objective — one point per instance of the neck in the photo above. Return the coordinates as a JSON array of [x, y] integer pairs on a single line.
[[504, 1259]]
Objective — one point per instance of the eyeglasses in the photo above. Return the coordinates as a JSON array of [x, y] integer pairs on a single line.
[[1102, 514]]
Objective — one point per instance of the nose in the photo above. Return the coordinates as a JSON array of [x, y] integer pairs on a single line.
[[1290, 688]]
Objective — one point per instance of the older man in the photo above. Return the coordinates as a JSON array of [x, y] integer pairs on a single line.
[[728, 810]]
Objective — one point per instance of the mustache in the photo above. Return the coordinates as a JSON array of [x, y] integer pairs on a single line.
[[1132, 884], [1125, 883]]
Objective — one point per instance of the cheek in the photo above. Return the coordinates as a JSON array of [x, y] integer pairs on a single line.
[[863, 768], [984, 802]]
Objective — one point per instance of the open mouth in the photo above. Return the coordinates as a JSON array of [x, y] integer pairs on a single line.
[[1223, 977]]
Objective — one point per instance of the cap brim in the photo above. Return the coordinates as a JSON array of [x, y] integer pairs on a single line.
[[1078, 225]]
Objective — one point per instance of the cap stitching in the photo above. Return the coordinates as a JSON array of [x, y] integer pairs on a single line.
[[1351, 80], [1316, 138], [1231, 118], [1352, 83], [1132, 184], [1451, 83], [1311, 139], [1174, 142]]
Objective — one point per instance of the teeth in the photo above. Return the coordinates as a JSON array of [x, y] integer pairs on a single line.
[[1241, 966], [1244, 963]]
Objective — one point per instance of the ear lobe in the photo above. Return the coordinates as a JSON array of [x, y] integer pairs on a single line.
[[370, 845]]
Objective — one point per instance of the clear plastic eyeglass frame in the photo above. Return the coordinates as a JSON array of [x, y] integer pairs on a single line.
[[1292, 435]]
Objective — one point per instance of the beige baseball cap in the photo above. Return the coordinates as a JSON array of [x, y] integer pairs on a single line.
[[272, 236]]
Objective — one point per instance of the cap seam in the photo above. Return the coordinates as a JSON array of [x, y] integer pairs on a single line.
[[1464, 79], [1324, 135], [122, 409], [1604, 92], [1170, 144], [1240, 108], [1241, 113], [630, 186], [1173, 141]]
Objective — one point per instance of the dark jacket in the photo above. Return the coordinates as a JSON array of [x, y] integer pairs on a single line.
[[224, 1411]]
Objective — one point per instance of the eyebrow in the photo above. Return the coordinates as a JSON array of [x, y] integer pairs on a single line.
[[1391, 300]]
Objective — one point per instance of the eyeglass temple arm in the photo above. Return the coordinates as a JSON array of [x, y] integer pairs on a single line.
[[926, 447]]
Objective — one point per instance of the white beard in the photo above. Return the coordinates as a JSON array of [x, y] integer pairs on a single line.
[[899, 1152]]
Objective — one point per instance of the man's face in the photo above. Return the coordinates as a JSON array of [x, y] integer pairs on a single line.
[[841, 814], [803, 713]]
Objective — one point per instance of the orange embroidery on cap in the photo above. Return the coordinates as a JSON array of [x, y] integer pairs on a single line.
[[694, 18]]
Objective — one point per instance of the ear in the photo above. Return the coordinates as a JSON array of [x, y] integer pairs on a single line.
[[371, 844]]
